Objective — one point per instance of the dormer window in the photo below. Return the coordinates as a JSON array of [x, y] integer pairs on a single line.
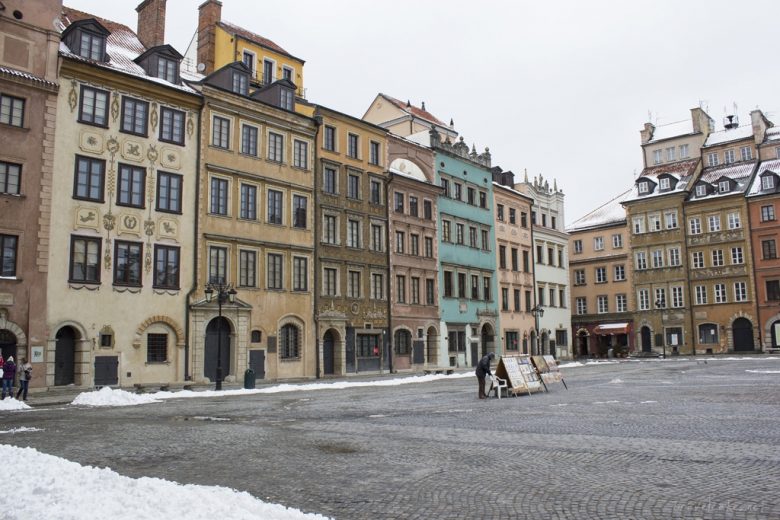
[[92, 46], [161, 62], [701, 190], [286, 98], [767, 182], [644, 188], [240, 83], [86, 38], [724, 186], [167, 69], [664, 183]]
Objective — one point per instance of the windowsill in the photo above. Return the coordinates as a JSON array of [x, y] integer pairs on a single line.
[[144, 136], [289, 360], [272, 161], [11, 279], [98, 125], [301, 168], [219, 215], [7, 126], [124, 205], [170, 142], [20, 196], [159, 363]]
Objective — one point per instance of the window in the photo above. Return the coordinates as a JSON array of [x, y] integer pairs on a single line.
[[353, 233], [767, 182], [445, 231], [171, 126], [482, 199], [329, 181], [527, 301], [414, 244], [91, 46], [135, 116], [657, 156], [219, 196], [504, 299], [697, 259], [428, 245], [736, 255], [663, 183], [603, 304], [166, 267], [474, 286], [579, 277], [524, 219], [274, 207], [486, 289], [286, 99], [577, 247], [249, 140], [767, 213], [412, 205], [290, 342], [512, 216], [248, 202], [373, 153], [352, 146], [515, 265], [274, 271], [734, 221], [581, 305], [740, 292], [658, 258], [400, 288], [644, 187], [330, 281], [712, 159], [268, 71], [512, 340], [617, 241], [403, 342], [485, 239], [84, 259], [429, 291], [471, 192], [415, 287], [552, 222], [674, 256], [329, 137], [445, 184], [156, 348], [377, 286], [377, 241], [644, 299], [526, 262], [671, 219], [427, 210], [459, 233], [660, 298], [713, 222], [247, 269], [353, 284], [399, 202], [773, 290], [694, 224], [169, 191], [275, 147], [167, 69], [11, 110], [724, 187], [217, 264], [670, 153], [500, 212], [620, 273], [701, 294], [300, 219], [768, 249], [539, 254], [128, 259], [11, 177], [654, 222], [729, 156], [400, 240], [376, 192], [683, 151], [456, 191], [367, 345], [638, 225], [300, 273], [720, 293], [677, 297], [621, 303], [220, 132], [447, 276], [132, 182], [601, 275], [94, 107], [517, 300], [502, 257], [598, 243], [300, 154], [641, 260], [701, 190], [240, 83], [472, 236], [717, 257], [353, 186]]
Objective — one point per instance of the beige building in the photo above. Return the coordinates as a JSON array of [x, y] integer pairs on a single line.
[[123, 214], [600, 270]]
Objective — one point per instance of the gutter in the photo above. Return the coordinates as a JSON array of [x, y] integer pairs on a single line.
[[187, 375], [315, 264]]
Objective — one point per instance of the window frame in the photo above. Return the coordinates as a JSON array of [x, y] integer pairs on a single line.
[[97, 265], [166, 251], [91, 120], [170, 116], [130, 108], [128, 280], [12, 104]]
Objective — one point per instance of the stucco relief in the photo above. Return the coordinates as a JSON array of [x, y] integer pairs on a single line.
[[168, 228], [131, 150], [91, 142], [129, 224], [114, 106], [153, 117], [170, 158], [73, 95], [86, 218]]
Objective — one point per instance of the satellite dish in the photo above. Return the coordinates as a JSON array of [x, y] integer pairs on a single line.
[[201, 67]]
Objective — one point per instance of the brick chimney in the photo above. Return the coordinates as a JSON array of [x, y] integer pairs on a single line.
[[760, 123], [209, 15], [702, 122], [647, 132], [151, 22]]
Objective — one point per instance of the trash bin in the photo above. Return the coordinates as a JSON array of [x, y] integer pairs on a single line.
[[249, 379], [610, 353]]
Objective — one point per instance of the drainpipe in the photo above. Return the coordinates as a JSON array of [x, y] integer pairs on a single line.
[[389, 276], [533, 272], [318, 125], [684, 228], [187, 375]]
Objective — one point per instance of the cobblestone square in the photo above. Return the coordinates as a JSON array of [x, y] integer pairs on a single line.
[[634, 440]]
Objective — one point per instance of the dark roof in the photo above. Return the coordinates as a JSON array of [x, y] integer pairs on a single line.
[[415, 111], [161, 49], [255, 38]]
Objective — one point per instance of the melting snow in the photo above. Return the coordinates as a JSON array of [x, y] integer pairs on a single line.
[[109, 397], [22, 429], [12, 404]]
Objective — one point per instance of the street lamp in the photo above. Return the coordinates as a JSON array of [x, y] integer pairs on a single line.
[[661, 304], [225, 292], [538, 312]]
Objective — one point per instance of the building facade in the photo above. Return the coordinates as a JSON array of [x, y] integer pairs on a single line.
[[28, 102], [600, 270]]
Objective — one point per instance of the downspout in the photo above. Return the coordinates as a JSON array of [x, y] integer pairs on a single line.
[[187, 375], [533, 272], [315, 227], [389, 275], [684, 229]]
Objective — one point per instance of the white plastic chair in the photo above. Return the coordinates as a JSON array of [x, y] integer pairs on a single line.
[[498, 384]]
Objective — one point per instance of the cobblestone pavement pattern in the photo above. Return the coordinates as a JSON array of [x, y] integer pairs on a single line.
[[636, 440]]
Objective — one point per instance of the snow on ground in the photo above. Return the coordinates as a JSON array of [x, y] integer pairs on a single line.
[[57, 488], [21, 429], [12, 404], [574, 364], [763, 371], [109, 397]]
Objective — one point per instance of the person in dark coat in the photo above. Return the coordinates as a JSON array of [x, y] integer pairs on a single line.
[[9, 371], [483, 369], [25, 374]]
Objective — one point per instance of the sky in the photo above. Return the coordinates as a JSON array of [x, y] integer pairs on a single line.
[[557, 88]]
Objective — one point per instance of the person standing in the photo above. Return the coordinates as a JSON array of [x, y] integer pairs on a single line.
[[9, 371], [25, 375], [483, 369]]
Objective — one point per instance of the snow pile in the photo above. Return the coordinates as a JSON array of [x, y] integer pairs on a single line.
[[763, 371], [580, 364], [616, 381], [745, 358], [61, 490], [12, 404], [22, 429], [109, 397]]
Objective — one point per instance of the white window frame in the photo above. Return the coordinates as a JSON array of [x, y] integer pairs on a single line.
[[740, 292], [720, 293], [617, 241], [602, 304], [683, 151], [737, 256], [677, 297], [664, 183], [638, 225], [694, 225], [701, 294], [713, 223], [621, 303], [729, 156], [598, 243], [712, 159], [697, 259], [619, 273], [643, 299], [734, 220], [671, 219], [701, 190], [657, 156], [674, 256], [746, 153]]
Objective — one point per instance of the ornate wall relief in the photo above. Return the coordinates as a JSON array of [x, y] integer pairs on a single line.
[[168, 228], [91, 142], [170, 158], [131, 151], [88, 218], [129, 224], [73, 95]]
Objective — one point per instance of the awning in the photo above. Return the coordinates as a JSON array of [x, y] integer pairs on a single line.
[[606, 329]]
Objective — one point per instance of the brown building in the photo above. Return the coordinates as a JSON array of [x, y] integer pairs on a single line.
[[28, 101], [414, 303], [601, 278]]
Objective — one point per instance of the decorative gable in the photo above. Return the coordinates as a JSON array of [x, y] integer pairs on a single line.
[[87, 38]]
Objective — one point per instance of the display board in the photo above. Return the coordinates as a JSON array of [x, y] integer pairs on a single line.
[[528, 371], [547, 368], [508, 368]]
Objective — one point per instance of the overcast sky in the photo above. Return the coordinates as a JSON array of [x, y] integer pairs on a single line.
[[560, 88]]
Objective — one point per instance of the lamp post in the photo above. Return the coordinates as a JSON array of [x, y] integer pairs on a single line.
[[538, 312], [661, 304], [225, 293]]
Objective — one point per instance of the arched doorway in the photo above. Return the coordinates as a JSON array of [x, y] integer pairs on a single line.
[[775, 332], [329, 352], [582, 339], [217, 339], [402, 343], [65, 356], [743, 335], [7, 343], [432, 346], [646, 343], [488, 339]]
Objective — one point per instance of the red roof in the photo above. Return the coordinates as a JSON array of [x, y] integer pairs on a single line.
[[415, 111], [255, 38], [70, 15]]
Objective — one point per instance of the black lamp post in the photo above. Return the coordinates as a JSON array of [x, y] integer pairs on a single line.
[[538, 312], [661, 304], [225, 293]]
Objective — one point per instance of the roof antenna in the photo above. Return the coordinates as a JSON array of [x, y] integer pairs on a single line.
[[423, 105], [408, 104]]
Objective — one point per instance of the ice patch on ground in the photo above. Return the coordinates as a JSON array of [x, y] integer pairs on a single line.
[[606, 402], [763, 371], [68, 491], [616, 381], [205, 418], [647, 402], [107, 396], [12, 404], [22, 429]]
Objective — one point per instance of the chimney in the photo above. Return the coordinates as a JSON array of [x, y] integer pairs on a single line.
[[702, 123], [647, 132], [209, 15], [760, 123], [151, 22]]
